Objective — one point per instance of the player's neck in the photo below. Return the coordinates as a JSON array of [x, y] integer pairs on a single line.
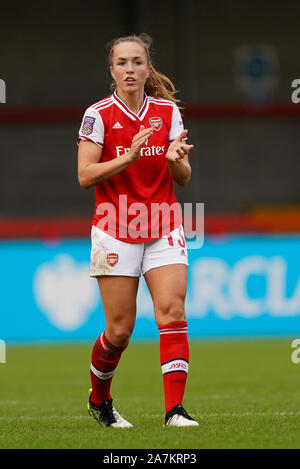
[[133, 101]]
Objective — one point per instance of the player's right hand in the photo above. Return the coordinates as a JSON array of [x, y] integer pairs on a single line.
[[138, 141]]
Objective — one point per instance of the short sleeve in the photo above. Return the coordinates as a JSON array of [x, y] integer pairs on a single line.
[[92, 127], [176, 124]]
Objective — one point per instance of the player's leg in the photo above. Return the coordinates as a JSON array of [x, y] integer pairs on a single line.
[[167, 284], [117, 266], [118, 294]]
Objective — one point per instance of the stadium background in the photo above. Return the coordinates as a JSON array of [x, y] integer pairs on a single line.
[[233, 64]]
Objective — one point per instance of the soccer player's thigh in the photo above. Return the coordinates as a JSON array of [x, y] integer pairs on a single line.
[[118, 294], [117, 267], [168, 285]]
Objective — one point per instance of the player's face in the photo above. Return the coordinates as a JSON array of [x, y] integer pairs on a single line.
[[130, 67]]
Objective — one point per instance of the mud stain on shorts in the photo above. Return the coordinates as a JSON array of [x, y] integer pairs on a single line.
[[99, 264]]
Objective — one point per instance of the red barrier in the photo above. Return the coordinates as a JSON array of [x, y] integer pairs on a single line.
[[235, 110], [258, 222]]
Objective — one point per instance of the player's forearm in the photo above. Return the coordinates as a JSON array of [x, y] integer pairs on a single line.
[[97, 173], [180, 171]]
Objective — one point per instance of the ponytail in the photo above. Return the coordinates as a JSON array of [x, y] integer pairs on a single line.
[[160, 86], [157, 85]]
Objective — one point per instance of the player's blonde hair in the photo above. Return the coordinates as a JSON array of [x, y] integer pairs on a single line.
[[157, 84]]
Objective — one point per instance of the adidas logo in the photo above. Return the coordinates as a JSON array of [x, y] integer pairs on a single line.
[[117, 126]]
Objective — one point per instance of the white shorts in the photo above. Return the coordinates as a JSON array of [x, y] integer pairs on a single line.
[[110, 256]]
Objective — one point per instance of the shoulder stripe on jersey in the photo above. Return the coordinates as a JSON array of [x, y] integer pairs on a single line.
[[101, 106], [161, 99], [98, 109], [97, 105], [161, 103], [102, 101]]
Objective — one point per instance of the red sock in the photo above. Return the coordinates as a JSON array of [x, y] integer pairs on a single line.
[[174, 360], [105, 358]]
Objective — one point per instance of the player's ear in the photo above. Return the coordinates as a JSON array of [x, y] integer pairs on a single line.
[[111, 71]]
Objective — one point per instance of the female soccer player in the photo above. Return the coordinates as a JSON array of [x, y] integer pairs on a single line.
[[132, 146]]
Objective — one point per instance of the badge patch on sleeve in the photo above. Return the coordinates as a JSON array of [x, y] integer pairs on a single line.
[[88, 125]]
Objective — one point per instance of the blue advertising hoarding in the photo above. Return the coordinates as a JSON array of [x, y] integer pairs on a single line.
[[237, 286]]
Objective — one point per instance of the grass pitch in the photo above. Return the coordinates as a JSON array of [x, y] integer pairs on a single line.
[[245, 394]]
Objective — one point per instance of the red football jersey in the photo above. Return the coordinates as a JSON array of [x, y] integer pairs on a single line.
[[138, 204]]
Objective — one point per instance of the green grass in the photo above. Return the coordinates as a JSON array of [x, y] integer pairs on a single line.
[[245, 394]]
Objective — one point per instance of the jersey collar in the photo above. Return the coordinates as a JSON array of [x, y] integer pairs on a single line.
[[142, 112]]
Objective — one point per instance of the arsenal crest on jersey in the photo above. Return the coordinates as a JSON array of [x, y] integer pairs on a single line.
[[156, 123], [112, 258]]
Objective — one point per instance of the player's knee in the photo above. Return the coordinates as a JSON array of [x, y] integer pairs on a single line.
[[173, 312], [120, 335]]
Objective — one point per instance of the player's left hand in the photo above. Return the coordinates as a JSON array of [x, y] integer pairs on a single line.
[[178, 149]]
